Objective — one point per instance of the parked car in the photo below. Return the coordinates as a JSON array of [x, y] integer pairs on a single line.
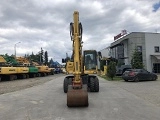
[[138, 75], [120, 70]]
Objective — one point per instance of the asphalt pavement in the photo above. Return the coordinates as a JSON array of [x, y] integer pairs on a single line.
[[48, 102]]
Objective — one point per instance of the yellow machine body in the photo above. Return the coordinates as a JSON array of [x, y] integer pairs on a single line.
[[22, 70], [2, 60], [8, 70], [22, 60], [69, 67], [43, 68]]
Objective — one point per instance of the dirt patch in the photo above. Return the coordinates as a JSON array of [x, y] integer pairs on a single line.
[[11, 86]]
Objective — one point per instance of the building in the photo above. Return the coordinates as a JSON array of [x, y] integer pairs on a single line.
[[146, 43], [105, 52]]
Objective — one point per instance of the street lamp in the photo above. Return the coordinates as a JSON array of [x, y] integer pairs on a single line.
[[15, 47], [40, 56]]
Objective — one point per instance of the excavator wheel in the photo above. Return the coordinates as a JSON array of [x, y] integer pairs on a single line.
[[66, 82], [96, 83], [92, 84], [77, 97], [65, 85]]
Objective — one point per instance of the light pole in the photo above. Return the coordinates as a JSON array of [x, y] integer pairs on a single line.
[[15, 47], [40, 56]]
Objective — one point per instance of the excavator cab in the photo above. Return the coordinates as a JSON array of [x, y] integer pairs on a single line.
[[90, 61]]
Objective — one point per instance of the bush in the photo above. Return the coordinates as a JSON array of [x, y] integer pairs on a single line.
[[111, 70], [102, 63]]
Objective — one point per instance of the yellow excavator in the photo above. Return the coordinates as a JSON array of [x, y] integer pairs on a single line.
[[7, 72], [77, 85]]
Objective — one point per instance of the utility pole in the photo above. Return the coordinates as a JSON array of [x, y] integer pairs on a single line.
[[15, 47]]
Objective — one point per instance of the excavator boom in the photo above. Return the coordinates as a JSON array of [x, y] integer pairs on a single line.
[[83, 68], [77, 95]]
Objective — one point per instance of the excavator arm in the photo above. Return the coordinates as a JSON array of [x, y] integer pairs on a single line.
[[77, 50], [77, 94]]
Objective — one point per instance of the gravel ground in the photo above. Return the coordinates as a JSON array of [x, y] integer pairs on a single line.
[[10, 86]]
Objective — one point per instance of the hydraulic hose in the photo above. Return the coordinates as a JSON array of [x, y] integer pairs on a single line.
[[71, 30], [80, 30]]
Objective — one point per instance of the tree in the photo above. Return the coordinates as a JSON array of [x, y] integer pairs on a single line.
[[33, 57], [41, 55], [46, 58], [50, 62], [111, 69], [136, 61]]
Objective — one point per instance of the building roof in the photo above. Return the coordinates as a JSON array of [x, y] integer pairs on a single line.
[[125, 37]]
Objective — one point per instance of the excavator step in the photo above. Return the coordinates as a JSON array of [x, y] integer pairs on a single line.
[[77, 97]]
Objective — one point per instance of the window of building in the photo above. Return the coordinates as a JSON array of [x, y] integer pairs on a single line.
[[156, 48], [139, 48]]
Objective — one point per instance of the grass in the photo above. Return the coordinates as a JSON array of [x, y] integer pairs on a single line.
[[116, 78]]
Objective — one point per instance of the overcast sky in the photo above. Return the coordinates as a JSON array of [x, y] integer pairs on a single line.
[[45, 23]]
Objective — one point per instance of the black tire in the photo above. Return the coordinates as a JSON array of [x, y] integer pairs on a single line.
[[11, 77], [24, 76], [15, 77], [92, 88], [52, 72], [126, 80], [45, 74], [154, 78], [96, 85], [136, 79], [27, 75], [34, 75], [65, 85], [39, 74]]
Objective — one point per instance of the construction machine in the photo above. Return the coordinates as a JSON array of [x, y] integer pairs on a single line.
[[33, 71], [77, 85], [22, 71], [90, 62], [7, 72], [44, 70], [69, 67]]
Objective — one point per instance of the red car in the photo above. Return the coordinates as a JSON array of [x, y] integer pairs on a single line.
[[138, 75]]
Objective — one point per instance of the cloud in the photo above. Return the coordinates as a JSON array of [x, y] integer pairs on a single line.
[[39, 23]]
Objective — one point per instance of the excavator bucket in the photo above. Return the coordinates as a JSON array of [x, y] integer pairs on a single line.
[[77, 97]]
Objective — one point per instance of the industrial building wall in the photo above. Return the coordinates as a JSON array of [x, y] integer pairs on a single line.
[[105, 52], [134, 40], [125, 43], [152, 40]]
